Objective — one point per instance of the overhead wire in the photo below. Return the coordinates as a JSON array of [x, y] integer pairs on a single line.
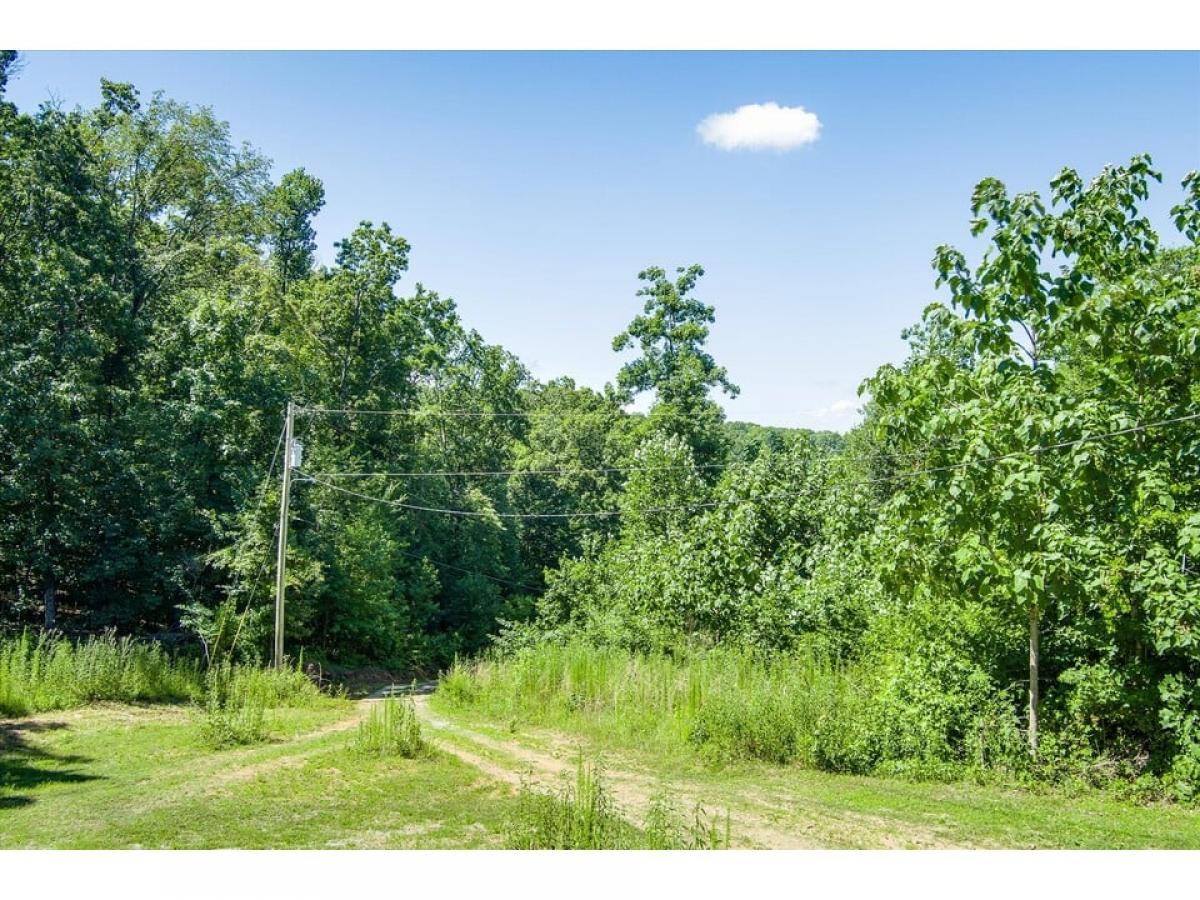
[[320, 479], [900, 476], [603, 470], [427, 411]]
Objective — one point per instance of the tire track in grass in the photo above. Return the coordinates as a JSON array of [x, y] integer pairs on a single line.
[[633, 792]]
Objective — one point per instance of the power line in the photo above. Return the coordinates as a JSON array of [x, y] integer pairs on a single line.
[[600, 470], [1029, 451], [522, 472], [399, 504], [424, 411]]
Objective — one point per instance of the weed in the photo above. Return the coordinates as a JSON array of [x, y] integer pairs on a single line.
[[236, 700], [392, 729], [582, 815], [732, 704], [44, 671]]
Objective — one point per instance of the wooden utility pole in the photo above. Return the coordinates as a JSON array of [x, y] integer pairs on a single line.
[[281, 560]]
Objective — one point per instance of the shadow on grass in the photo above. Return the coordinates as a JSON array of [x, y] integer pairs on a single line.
[[26, 767]]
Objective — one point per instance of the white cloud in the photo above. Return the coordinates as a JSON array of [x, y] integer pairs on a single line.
[[760, 126]]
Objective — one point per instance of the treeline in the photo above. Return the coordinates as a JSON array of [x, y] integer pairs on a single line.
[[1013, 531], [160, 304]]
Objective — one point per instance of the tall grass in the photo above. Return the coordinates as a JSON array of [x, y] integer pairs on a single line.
[[236, 700], [583, 815], [729, 703], [391, 729], [733, 704], [43, 671]]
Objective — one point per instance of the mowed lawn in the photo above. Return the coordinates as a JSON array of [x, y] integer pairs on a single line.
[[119, 776]]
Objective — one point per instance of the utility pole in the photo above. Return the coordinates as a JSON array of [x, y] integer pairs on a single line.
[[281, 560]]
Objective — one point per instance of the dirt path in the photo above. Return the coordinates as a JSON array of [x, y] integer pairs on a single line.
[[542, 758], [757, 819]]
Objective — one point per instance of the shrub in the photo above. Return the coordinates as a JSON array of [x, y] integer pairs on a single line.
[[234, 707], [1183, 781], [843, 739], [729, 727], [666, 829]]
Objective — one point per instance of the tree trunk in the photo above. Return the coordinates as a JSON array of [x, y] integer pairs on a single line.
[[50, 596], [1034, 657]]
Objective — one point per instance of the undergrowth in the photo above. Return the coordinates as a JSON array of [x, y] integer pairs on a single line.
[[237, 699], [44, 671], [729, 705]]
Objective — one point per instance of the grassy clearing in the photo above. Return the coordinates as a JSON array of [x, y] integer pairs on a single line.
[[116, 776], [794, 806], [735, 724], [732, 705], [294, 768], [41, 671], [728, 704]]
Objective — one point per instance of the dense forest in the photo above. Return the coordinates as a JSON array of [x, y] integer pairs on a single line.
[[1009, 543]]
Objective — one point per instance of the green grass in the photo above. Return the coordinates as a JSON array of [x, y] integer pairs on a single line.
[[735, 723], [315, 774], [237, 700], [41, 671], [117, 776], [728, 704], [806, 807]]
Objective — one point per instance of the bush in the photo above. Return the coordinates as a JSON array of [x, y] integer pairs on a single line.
[[392, 729], [729, 727], [234, 707], [845, 736], [1183, 781]]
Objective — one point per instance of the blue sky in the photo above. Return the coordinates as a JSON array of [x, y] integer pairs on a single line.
[[534, 187]]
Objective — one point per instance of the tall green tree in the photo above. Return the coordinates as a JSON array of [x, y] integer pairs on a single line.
[[1009, 535], [670, 335], [62, 318], [289, 209]]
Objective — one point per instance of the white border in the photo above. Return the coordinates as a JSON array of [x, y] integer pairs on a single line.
[[494, 875], [600, 24], [629, 25]]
